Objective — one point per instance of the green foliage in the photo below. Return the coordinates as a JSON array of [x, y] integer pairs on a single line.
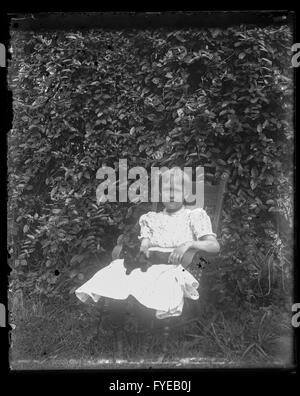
[[216, 98]]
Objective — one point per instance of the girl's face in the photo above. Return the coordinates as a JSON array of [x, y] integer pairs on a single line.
[[175, 191]]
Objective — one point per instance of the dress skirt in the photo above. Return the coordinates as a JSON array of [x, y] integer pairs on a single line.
[[162, 287]]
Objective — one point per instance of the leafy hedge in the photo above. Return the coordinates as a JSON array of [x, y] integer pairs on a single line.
[[217, 98]]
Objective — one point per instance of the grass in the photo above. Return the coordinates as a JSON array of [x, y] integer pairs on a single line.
[[69, 334]]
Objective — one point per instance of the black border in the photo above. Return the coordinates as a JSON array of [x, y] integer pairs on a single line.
[[150, 19]]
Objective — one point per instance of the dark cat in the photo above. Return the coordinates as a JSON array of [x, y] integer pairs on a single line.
[[134, 259]]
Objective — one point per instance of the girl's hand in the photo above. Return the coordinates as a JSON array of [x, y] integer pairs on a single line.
[[177, 254], [145, 247]]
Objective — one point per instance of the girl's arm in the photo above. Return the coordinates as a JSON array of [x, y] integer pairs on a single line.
[[208, 245]]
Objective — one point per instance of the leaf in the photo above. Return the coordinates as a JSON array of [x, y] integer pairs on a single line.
[[269, 180], [73, 274], [77, 259], [258, 200], [270, 202], [25, 228], [180, 112], [53, 191], [228, 123], [273, 209], [242, 55], [222, 112], [253, 184], [72, 37], [267, 60], [151, 117], [254, 173]]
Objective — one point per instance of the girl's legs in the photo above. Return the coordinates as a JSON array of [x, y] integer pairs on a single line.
[[115, 319], [117, 312]]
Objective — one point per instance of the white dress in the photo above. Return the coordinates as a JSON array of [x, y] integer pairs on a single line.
[[162, 287]]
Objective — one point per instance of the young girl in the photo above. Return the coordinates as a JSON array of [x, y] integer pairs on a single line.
[[162, 287]]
